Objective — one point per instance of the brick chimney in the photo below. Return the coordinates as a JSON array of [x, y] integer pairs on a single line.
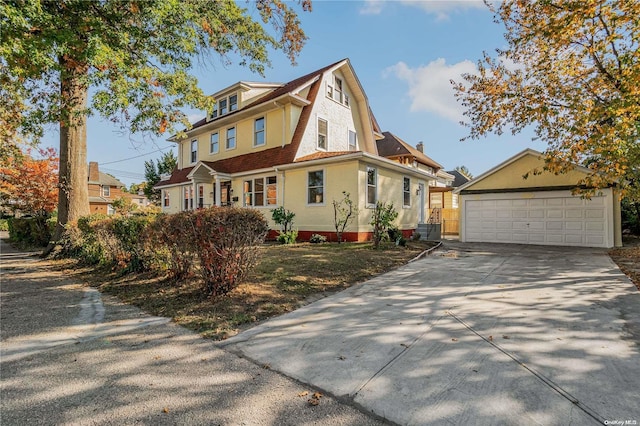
[[94, 173], [420, 147]]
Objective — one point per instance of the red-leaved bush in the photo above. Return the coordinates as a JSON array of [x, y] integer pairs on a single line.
[[227, 241]]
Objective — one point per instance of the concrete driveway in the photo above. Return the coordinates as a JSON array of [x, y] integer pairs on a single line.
[[474, 334]]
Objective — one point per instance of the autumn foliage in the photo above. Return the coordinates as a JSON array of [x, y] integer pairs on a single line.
[[30, 184], [570, 71]]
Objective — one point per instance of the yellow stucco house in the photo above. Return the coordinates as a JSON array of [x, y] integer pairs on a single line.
[[501, 206], [299, 145]]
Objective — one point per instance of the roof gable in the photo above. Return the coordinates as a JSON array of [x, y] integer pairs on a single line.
[[510, 175], [392, 146]]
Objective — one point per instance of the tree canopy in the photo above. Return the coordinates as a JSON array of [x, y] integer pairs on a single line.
[[571, 70], [137, 58], [29, 184], [153, 171]]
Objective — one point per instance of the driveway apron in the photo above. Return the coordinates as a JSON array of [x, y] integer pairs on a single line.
[[473, 334]]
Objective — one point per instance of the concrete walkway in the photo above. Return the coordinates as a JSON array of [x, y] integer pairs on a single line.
[[69, 356], [476, 334]]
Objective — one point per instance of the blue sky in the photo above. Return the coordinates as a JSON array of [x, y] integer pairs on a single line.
[[404, 53]]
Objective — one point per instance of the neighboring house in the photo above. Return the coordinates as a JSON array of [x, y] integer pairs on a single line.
[[299, 145], [103, 189], [502, 206], [444, 207], [139, 199]]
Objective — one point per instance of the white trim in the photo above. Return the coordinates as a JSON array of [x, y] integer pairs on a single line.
[[210, 135], [404, 206], [326, 136], [235, 138], [264, 131], [375, 185], [324, 187]]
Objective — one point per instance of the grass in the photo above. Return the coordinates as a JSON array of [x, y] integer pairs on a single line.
[[286, 278]]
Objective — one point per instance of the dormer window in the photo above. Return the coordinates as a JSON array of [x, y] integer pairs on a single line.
[[225, 105]]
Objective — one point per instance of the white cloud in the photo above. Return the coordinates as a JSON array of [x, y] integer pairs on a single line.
[[440, 8], [430, 86]]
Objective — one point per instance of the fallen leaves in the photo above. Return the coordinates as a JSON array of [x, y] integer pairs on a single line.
[[315, 399]]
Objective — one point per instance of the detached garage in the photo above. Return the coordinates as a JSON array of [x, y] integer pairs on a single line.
[[500, 206]]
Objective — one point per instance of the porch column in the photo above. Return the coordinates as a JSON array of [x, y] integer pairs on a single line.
[[218, 192], [194, 187]]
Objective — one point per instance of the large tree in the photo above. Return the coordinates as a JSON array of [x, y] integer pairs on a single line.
[[135, 56], [571, 70]]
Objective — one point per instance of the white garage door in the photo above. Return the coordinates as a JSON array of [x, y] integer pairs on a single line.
[[552, 218]]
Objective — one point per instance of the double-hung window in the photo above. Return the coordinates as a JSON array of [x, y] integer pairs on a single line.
[[223, 106], [352, 141], [315, 187], [194, 151], [233, 103], [165, 199], [337, 93], [214, 145], [188, 197], [406, 192], [258, 132], [322, 134], [372, 186], [231, 138], [260, 192], [106, 191]]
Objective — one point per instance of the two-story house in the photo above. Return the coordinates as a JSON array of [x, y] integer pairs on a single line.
[[103, 190], [298, 145]]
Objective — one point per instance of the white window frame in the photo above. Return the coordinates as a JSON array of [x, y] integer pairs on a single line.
[[324, 180], [353, 147], [263, 131], [249, 191], [166, 199], [326, 135], [233, 106], [106, 191], [187, 198], [235, 138], [337, 82], [193, 154], [110, 210], [217, 145], [200, 196], [374, 186], [406, 192]]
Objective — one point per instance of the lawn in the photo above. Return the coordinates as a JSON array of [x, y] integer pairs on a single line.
[[286, 278]]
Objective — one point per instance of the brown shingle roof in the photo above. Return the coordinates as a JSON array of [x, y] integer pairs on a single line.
[[282, 90], [178, 176], [393, 146], [258, 160]]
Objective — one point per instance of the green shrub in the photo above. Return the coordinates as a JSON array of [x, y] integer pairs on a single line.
[[122, 241], [317, 238], [4, 224], [288, 237], [382, 221], [283, 217], [227, 242], [32, 231]]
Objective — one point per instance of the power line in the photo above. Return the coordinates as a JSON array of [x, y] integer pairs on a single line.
[[127, 174], [137, 156]]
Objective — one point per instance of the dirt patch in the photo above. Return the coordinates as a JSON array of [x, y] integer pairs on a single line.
[[628, 259]]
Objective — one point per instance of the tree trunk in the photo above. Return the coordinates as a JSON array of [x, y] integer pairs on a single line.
[[73, 192]]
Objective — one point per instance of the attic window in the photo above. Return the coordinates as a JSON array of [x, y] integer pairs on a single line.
[[336, 91]]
